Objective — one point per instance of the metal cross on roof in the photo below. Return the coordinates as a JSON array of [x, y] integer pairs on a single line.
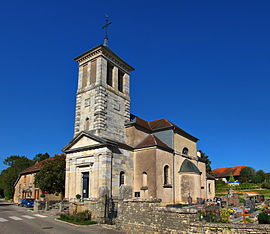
[[106, 39]]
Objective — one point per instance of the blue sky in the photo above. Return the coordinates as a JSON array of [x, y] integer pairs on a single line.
[[204, 65]]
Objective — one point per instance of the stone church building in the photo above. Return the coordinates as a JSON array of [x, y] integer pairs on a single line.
[[112, 148]]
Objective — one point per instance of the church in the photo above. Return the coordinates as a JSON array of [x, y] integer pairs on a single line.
[[112, 148]]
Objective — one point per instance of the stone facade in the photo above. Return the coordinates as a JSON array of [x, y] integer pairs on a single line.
[[25, 188], [112, 148], [103, 105]]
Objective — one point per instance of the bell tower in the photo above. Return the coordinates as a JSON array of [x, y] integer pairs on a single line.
[[102, 100]]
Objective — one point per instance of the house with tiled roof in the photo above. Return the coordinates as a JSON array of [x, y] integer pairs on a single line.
[[225, 172], [113, 150], [24, 186]]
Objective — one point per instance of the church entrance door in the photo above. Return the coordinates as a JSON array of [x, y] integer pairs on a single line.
[[85, 180]]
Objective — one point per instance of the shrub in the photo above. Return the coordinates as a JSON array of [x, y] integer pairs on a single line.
[[265, 185], [82, 216], [224, 215], [42, 195], [264, 218], [78, 196]]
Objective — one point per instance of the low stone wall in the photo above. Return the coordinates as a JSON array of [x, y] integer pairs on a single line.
[[54, 207], [137, 216], [97, 211], [229, 228], [96, 207]]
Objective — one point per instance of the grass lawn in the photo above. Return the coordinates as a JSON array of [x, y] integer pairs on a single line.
[[258, 191], [81, 222]]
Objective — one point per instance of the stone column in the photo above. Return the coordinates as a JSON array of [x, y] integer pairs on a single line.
[[60, 206], [101, 71], [80, 78], [46, 206], [105, 170], [36, 204], [126, 84], [115, 78], [88, 74]]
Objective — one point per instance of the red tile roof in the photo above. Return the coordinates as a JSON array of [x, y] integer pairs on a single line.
[[33, 168], [159, 124], [37, 166], [227, 171], [143, 123], [152, 140]]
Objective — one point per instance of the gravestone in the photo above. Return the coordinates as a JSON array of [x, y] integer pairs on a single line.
[[230, 193], [200, 200], [234, 200], [218, 201], [250, 205], [260, 198]]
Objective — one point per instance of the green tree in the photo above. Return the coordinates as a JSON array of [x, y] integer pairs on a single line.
[[9, 175], [260, 176], [231, 179], [1, 187], [207, 161], [51, 177], [247, 174], [267, 175], [39, 157]]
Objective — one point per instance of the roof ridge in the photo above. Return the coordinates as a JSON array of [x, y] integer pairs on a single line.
[[169, 122], [228, 167], [154, 138]]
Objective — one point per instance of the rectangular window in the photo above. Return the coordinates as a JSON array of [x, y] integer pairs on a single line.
[[84, 76], [109, 73], [120, 80], [93, 72], [24, 179]]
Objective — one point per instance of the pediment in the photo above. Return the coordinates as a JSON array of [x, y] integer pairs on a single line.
[[83, 140]]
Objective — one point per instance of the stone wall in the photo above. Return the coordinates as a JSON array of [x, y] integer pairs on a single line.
[[147, 216], [137, 216], [229, 228], [96, 208]]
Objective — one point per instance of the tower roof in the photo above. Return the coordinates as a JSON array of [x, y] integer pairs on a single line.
[[106, 52]]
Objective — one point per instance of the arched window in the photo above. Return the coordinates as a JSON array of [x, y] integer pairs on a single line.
[[87, 124], [122, 178], [185, 151], [144, 179], [166, 175]]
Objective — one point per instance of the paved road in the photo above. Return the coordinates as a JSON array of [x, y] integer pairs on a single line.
[[19, 220]]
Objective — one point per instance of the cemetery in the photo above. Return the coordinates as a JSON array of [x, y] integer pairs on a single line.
[[234, 208]]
